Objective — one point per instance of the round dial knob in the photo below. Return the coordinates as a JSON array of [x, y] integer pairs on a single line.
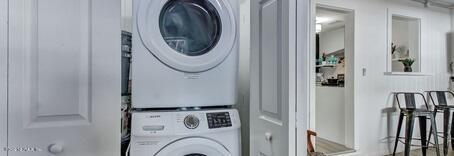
[[191, 121], [55, 148]]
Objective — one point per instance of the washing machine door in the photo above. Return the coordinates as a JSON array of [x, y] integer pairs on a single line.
[[187, 35], [194, 147]]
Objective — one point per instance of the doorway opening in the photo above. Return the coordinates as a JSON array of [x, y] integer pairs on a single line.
[[332, 110]]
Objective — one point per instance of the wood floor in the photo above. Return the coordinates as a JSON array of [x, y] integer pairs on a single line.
[[430, 152], [331, 148]]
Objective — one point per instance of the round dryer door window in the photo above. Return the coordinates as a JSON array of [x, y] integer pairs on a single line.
[[187, 35], [190, 27], [194, 147]]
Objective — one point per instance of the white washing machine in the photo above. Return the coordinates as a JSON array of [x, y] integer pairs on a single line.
[[185, 53], [188, 133]]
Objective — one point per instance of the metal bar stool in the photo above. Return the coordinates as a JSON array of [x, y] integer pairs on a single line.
[[442, 106], [411, 111]]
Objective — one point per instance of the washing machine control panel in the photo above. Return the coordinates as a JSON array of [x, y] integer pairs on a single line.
[[219, 120], [178, 123]]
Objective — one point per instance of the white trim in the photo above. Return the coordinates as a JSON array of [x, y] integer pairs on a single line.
[[354, 141], [3, 76], [351, 131], [408, 74], [304, 38], [406, 14], [292, 76]]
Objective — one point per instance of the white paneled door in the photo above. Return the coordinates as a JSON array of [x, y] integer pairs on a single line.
[[273, 77], [64, 78]]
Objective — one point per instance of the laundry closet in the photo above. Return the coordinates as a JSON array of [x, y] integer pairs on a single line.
[[181, 75], [194, 78]]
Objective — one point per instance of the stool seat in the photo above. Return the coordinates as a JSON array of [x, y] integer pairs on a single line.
[[416, 112], [444, 107]]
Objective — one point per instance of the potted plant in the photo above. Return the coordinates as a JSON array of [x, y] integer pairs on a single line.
[[407, 64]]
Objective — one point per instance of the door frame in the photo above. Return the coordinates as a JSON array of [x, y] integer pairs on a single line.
[[3, 76], [304, 11], [352, 139]]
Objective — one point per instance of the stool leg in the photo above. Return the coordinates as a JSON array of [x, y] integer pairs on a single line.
[[452, 131], [445, 130], [423, 130], [434, 127], [431, 130], [409, 133], [399, 127]]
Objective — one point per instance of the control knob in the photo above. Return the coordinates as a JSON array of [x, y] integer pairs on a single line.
[[191, 122]]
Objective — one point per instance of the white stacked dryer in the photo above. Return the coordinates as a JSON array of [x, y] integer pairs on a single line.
[[185, 53]]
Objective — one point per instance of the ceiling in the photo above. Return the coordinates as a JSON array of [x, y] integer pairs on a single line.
[[446, 1], [330, 19], [437, 3]]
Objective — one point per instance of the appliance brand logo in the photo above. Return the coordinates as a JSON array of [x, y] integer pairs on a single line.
[[155, 116]]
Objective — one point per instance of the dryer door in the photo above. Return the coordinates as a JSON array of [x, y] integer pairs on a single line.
[[194, 147], [187, 35]]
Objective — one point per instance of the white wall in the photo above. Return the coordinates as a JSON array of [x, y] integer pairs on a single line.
[[451, 41], [3, 74], [405, 33], [400, 34], [330, 101], [330, 115], [400, 37], [243, 97], [375, 120], [332, 40]]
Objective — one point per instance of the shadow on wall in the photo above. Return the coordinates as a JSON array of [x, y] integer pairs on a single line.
[[450, 49], [391, 114]]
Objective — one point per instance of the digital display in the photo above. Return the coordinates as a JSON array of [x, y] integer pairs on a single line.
[[219, 120]]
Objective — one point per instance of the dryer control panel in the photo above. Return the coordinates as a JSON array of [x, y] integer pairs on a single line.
[[219, 120]]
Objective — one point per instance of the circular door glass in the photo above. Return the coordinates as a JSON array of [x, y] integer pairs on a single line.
[[195, 154], [190, 27]]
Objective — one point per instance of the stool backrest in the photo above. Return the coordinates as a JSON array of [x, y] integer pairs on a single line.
[[410, 100], [440, 98]]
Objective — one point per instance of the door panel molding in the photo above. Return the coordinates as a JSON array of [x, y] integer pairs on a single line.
[[271, 59], [58, 94]]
